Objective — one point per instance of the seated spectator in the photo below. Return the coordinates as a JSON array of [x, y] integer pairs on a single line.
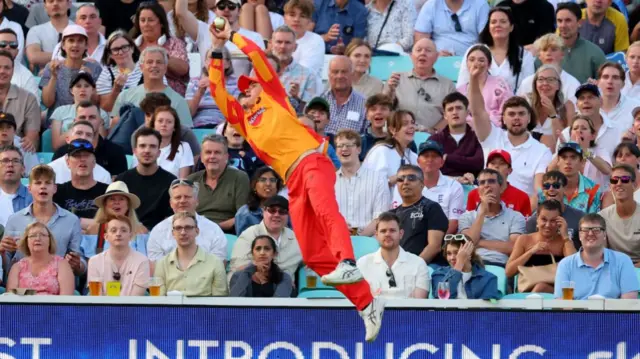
[[264, 184], [115, 202], [88, 16], [596, 270], [184, 198], [510, 61], [120, 68], [360, 52], [310, 50], [155, 33], [83, 89], [422, 220], [241, 155], [581, 192], [553, 188], [347, 104], [148, 180], [626, 153], [461, 147], [203, 274], [362, 193], [495, 89], [542, 250], [443, 190], [623, 217], [317, 117], [16, 13], [517, 200], [387, 156], [116, 14], [454, 28], [604, 26], [391, 26], [153, 63], [552, 110], [391, 271], [493, 227], [223, 189], [120, 263], [109, 155], [22, 77], [77, 142], [57, 76], [262, 278], [422, 90], [77, 195], [42, 39], [41, 269], [550, 49], [14, 196], [533, 18], [262, 17], [39, 13], [274, 225], [64, 225], [465, 273], [616, 106], [339, 22], [378, 108], [8, 138], [632, 59]]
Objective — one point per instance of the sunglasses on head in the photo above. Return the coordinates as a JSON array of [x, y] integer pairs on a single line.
[[226, 5], [410, 178], [11, 44], [392, 278], [77, 144], [618, 179], [555, 185], [455, 238], [280, 211], [180, 181]]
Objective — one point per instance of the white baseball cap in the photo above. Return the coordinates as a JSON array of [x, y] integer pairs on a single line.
[[74, 29]]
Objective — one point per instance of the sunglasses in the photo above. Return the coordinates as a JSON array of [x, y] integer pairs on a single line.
[[85, 145], [180, 181], [117, 276], [280, 211], [423, 94], [410, 178], [392, 278], [455, 238], [456, 22], [555, 185], [11, 44], [226, 5], [618, 179]]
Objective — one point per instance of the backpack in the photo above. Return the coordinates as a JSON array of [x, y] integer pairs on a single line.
[[131, 117]]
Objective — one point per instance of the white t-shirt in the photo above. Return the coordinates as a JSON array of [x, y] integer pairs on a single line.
[[8, 24], [448, 193], [407, 266], [6, 206], [310, 52], [387, 160], [620, 116], [200, 45], [24, 79], [569, 86], [182, 159], [277, 20], [241, 64], [44, 35], [63, 173], [528, 159], [95, 55]]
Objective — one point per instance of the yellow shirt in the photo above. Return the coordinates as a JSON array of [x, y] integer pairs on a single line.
[[622, 28], [204, 277]]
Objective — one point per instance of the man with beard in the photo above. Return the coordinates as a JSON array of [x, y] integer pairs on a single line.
[[42, 39], [529, 157]]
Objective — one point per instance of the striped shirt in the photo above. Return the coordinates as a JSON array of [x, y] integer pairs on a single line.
[[362, 197], [350, 115], [107, 79]]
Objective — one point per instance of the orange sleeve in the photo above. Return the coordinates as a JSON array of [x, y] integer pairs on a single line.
[[228, 105]]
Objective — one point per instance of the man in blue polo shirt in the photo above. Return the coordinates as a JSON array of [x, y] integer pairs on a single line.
[[338, 22], [596, 270]]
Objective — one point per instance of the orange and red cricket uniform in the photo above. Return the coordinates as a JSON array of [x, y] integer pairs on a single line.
[[272, 129]]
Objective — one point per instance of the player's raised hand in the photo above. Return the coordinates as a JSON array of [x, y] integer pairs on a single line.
[[220, 32]]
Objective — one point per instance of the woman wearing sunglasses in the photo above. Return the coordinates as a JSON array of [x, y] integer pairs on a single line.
[[465, 274], [542, 249], [265, 184], [120, 70]]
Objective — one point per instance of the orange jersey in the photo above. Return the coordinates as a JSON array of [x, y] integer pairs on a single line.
[[271, 126]]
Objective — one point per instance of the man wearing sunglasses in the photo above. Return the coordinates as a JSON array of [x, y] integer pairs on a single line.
[[22, 77], [78, 140], [623, 218]]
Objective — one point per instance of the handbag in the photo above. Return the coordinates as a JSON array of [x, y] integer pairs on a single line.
[[383, 24], [530, 276]]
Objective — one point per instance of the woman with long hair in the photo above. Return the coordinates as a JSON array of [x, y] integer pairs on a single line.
[[262, 278], [509, 60], [359, 51], [265, 183], [175, 155], [387, 156], [120, 69]]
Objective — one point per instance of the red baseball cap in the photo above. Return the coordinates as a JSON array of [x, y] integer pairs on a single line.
[[499, 153], [244, 82]]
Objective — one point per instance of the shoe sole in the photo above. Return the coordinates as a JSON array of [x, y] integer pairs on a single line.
[[331, 283]]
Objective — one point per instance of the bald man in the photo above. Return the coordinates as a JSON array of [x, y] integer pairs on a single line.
[[422, 90], [346, 105]]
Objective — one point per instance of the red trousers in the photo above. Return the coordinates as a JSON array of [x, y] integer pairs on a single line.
[[322, 232]]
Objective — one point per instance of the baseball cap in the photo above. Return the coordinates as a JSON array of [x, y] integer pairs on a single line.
[[317, 102], [430, 145], [635, 111], [245, 81], [570, 146], [82, 76], [588, 87], [237, 2], [74, 29], [79, 145], [499, 153], [8, 119], [277, 201]]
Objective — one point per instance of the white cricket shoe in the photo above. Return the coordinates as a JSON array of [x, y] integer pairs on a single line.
[[344, 273], [372, 316]]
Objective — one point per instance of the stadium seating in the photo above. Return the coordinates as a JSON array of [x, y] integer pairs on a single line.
[[202, 132], [46, 144], [231, 241], [525, 295], [363, 245], [420, 137], [502, 277], [44, 157], [25, 181], [383, 66], [448, 67], [129, 161], [322, 293]]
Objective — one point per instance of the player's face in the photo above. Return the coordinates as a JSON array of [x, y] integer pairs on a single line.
[[253, 92]]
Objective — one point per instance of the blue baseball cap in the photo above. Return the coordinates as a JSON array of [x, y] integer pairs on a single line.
[[570, 146], [430, 145], [588, 87]]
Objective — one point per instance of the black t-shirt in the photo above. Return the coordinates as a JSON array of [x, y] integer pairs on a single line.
[[416, 220], [108, 155], [117, 15], [19, 14], [153, 192], [79, 201], [533, 19]]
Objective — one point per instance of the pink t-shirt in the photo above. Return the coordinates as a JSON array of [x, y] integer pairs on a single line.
[[134, 271], [495, 92], [45, 283]]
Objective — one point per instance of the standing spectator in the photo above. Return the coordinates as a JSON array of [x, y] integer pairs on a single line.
[[388, 268], [148, 180], [422, 220], [14, 196], [510, 61], [117, 14], [8, 138], [533, 18], [422, 90], [183, 196], [360, 54], [553, 188], [597, 270], [391, 25], [223, 189], [346, 104], [362, 193], [454, 25], [78, 142], [338, 22], [22, 77], [604, 26], [616, 106], [463, 153], [264, 184], [42, 39], [378, 108], [632, 58], [310, 50], [493, 227], [188, 268], [88, 16], [582, 58]]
